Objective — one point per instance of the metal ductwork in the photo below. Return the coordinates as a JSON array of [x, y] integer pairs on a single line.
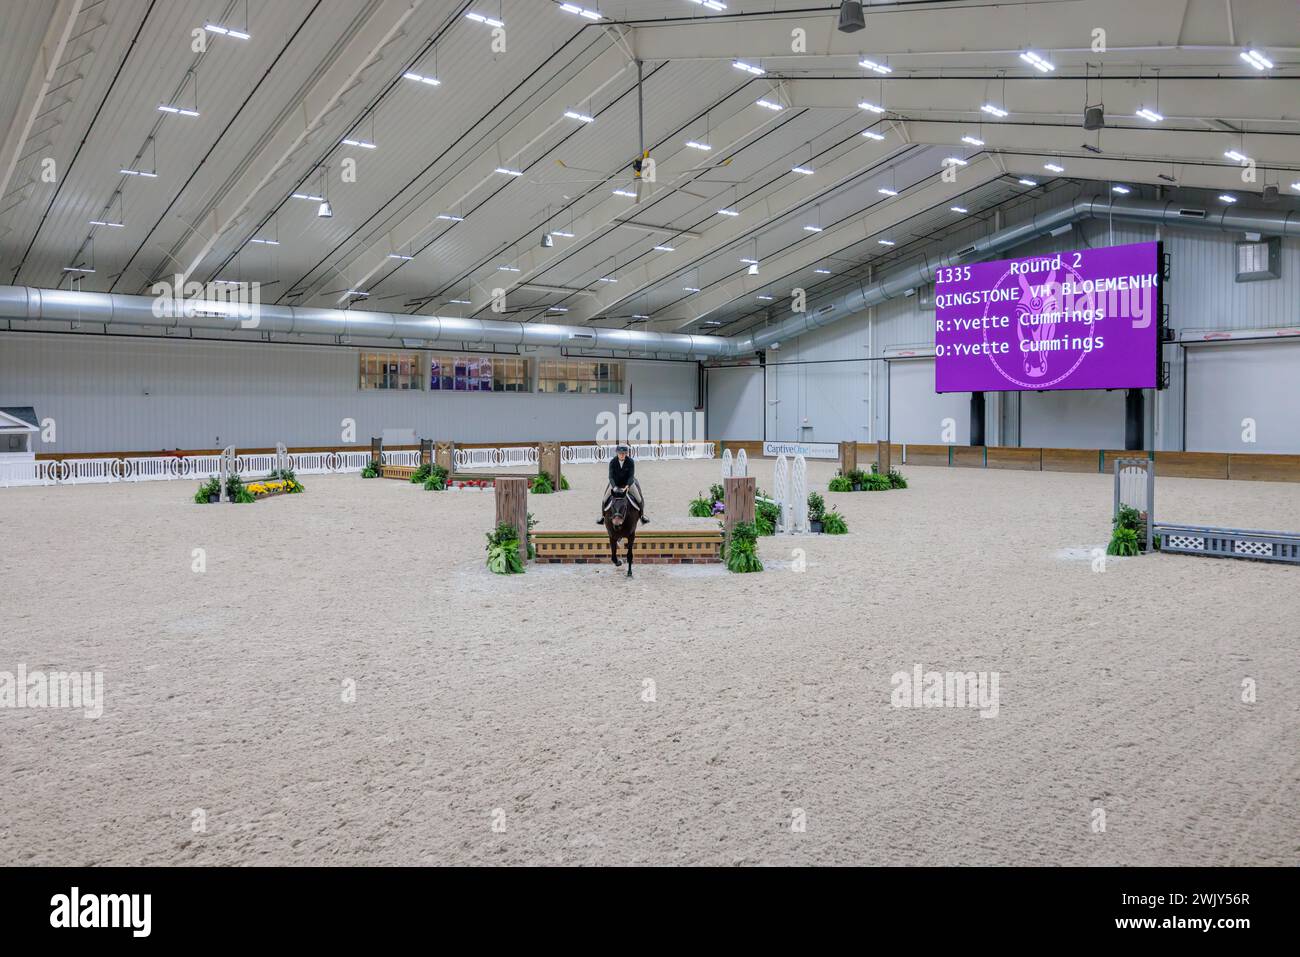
[[23, 303], [26, 303], [896, 283]]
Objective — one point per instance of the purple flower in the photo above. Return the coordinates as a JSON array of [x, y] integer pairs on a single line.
[[719, 507]]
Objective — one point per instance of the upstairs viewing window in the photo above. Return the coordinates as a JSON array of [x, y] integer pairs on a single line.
[[478, 374], [579, 375], [391, 370]]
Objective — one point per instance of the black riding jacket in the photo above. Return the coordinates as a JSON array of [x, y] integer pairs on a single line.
[[621, 475]]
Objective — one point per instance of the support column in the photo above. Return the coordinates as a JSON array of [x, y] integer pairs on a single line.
[[977, 418], [882, 456], [1134, 419], [848, 457], [512, 508], [426, 451], [548, 462], [444, 455], [738, 497]]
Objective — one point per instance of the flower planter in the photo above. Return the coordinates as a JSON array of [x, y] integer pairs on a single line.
[[816, 527], [214, 498], [857, 487]]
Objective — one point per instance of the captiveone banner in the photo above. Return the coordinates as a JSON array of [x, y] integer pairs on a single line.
[[1084, 319]]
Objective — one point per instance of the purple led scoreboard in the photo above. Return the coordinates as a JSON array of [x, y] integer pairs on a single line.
[[1084, 319]]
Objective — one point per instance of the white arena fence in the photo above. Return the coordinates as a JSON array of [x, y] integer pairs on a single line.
[[200, 467]]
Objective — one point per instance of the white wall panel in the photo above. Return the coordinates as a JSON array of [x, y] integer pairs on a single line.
[[1228, 384], [917, 412], [735, 403], [120, 394], [1072, 420]]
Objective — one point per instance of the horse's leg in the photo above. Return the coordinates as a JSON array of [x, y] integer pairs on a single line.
[[631, 540], [613, 545]]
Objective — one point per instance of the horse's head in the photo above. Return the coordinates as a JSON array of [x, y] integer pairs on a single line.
[[618, 508]]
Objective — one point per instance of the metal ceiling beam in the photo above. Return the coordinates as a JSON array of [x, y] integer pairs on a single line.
[[364, 48], [807, 253], [1243, 99], [934, 29], [797, 192], [609, 69], [675, 166], [63, 18]]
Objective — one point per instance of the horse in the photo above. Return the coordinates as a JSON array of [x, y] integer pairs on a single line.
[[621, 520]]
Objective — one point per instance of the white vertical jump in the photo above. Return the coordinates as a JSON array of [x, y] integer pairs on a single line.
[[799, 495], [781, 493], [726, 464], [740, 468]]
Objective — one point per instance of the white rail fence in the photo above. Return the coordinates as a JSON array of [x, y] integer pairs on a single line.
[[199, 467]]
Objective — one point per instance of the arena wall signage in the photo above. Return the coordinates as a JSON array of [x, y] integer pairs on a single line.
[[1084, 319], [809, 450]]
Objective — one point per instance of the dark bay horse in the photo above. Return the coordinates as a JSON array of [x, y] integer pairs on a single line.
[[621, 520]]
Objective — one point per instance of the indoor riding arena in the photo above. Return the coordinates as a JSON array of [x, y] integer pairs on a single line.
[[661, 432]]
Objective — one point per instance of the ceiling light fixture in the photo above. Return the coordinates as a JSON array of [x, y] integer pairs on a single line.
[[749, 68], [954, 161], [886, 191], [573, 8], [450, 218], [712, 5], [580, 117], [106, 222], [625, 192], [1025, 181], [508, 172], [168, 108], [802, 170], [1237, 157], [764, 298], [1037, 62], [1054, 168], [308, 196], [1257, 59], [872, 135], [1151, 116], [822, 272], [873, 65], [226, 31], [264, 242], [665, 249], [886, 242], [509, 269], [1227, 198], [138, 172], [560, 232], [364, 144], [488, 21], [973, 141], [689, 289], [871, 107], [812, 229], [959, 209], [1122, 190], [421, 78], [728, 212], [769, 105], [992, 110], [399, 256], [702, 147]]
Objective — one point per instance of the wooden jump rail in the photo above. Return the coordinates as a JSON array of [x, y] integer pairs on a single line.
[[402, 472], [652, 548]]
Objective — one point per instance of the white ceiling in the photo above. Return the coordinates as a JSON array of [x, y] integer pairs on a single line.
[[274, 109]]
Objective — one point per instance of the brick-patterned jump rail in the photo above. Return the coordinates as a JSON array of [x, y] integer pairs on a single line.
[[652, 548]]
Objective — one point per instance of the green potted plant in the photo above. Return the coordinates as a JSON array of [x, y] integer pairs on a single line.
[[540, 484], [1129, 534], [741, 549], [209, 492], [816, 512], [701, 507], [766, 514], [833, 523], [503, 551], [371, 469], [896, 479], [717, 493], [436, 480], [236, 491], [840, 483]]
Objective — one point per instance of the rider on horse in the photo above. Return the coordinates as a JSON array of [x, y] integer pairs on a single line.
[[622, 476]]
